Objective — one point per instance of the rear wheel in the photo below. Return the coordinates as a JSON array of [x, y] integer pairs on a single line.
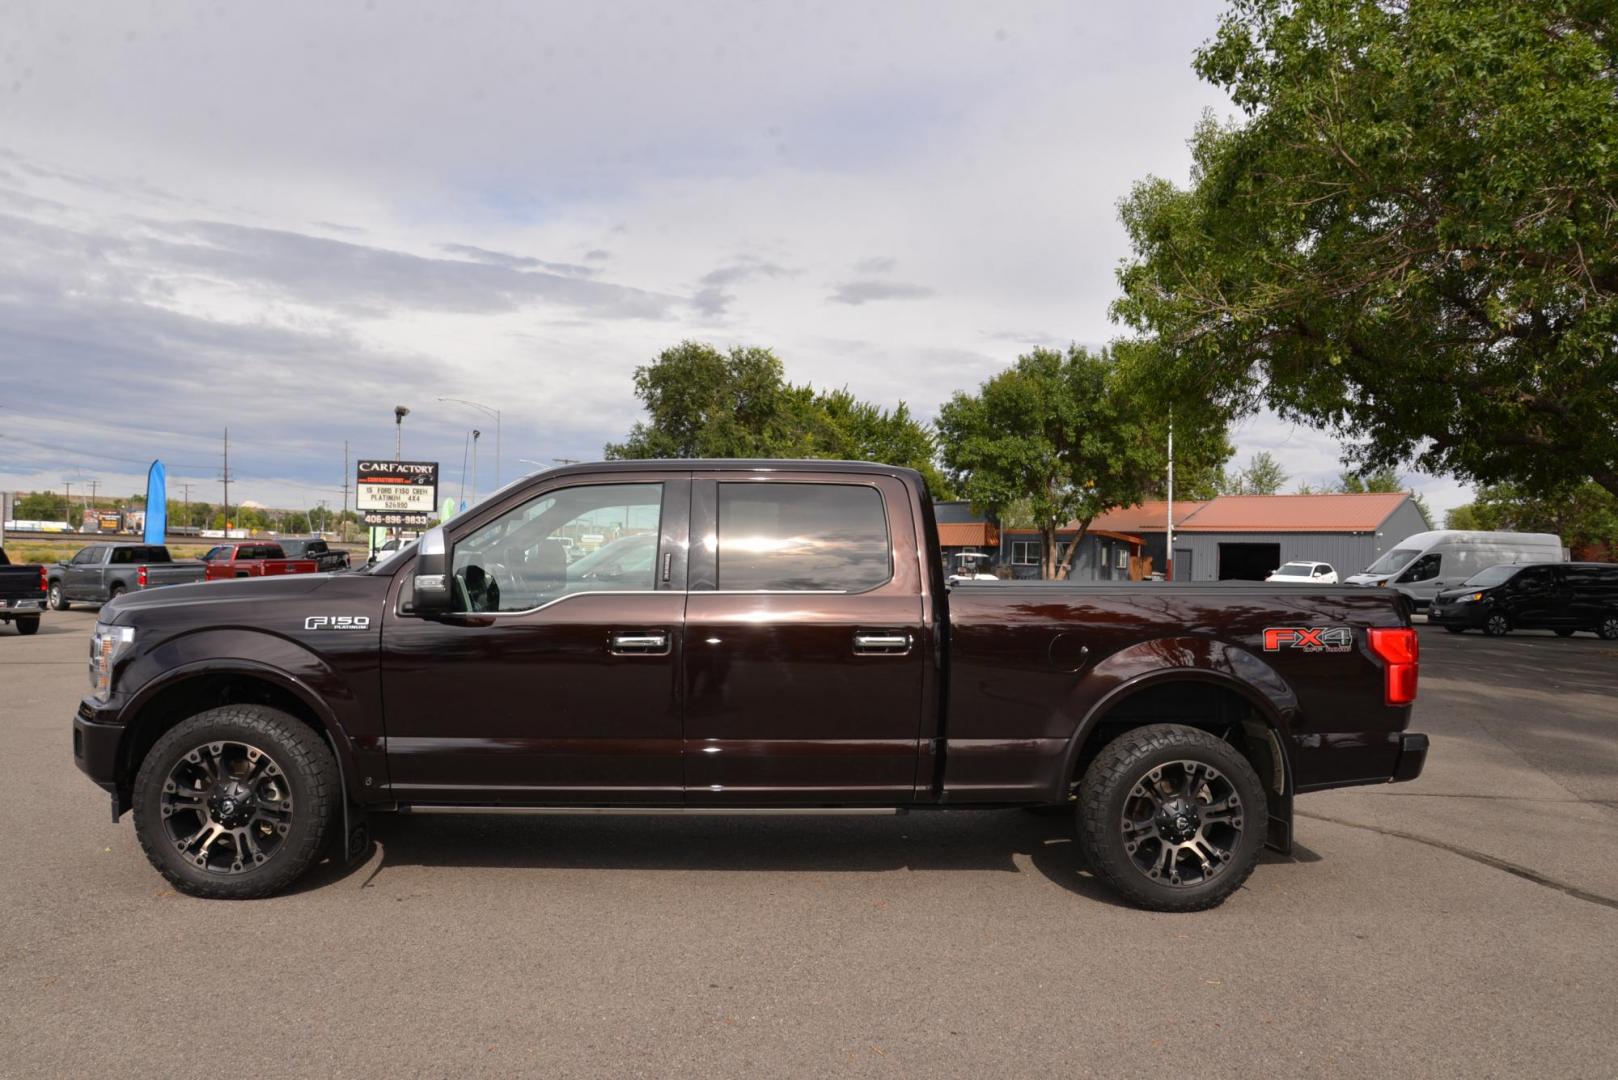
[[1172, 818], [1608, 627], [236, 803], [28, 626], [55, 598], [1497, 625], [114, 591]]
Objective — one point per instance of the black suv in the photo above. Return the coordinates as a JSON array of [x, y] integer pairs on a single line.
[[1565, 597]]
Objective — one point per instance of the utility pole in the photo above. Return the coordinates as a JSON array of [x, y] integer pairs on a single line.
[[67, 502], [94, 484], [186, 486], [1168, 549], [342, 522], [224, 475]]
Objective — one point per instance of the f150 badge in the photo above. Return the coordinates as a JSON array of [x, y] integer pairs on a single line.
[[337, 622], [1308, 638]]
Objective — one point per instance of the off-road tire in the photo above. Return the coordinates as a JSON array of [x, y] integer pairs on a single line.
[[57, 598], [28, 626], [1107, 786], [305, 760], [1497, 625]]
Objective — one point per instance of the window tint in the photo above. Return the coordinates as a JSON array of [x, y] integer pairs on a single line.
[[1423, 569], [594, 538], [1534, 579], [802, 536]]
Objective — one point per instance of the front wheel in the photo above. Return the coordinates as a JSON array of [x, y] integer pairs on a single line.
[[1497, 625], [237, 802], [55, 598], [28, 626], [1172, 818]]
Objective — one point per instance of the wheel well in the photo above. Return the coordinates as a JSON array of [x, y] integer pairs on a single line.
[[1218, 710], [189, 697]]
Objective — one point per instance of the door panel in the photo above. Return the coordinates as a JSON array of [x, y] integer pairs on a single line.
[[561, 682], [802, 696]]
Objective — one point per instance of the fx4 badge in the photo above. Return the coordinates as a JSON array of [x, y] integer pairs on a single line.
[[337, 622], [1308, 638]]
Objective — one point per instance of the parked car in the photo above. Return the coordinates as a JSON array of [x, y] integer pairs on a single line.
[[313, 547], [790, 644], [103, 572], [1305, 573], [1419, 566], [971, 566], [23, 588], [1564, 597], [256, 559]]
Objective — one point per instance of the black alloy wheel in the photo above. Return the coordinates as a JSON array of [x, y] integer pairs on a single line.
[[1497, 625], [227, 807], [1172, 817], [237, 802], [1608, 627]]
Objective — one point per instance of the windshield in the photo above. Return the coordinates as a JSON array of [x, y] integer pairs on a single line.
[[1494, 575], [1393, 561], [1296, 569]]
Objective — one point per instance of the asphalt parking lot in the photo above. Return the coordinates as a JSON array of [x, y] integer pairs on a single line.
[[1462, 925]]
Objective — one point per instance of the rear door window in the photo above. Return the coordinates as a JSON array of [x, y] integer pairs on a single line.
[[806, 537]]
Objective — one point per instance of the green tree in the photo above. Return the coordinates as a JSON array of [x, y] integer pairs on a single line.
[[703, 403], [1410, 236], [1061, 437], [1262, 476]]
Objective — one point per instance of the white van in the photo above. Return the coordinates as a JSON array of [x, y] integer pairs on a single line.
[[1426, 562]]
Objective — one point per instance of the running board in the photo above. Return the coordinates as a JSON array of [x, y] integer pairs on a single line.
[[660, 811]]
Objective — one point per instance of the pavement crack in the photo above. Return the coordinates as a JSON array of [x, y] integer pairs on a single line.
[[1478, 857]]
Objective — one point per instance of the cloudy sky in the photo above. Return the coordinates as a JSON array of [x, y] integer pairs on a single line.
[[289, 218]]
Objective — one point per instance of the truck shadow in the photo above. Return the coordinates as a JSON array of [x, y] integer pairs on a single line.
[[1007, 841]]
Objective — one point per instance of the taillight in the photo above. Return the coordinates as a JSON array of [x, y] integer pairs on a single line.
[[1399, 651], [44, 580], [140, 577]]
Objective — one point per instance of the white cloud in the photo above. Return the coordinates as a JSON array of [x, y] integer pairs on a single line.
[[286, 219]]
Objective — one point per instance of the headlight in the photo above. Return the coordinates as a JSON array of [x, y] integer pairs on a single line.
[[107, 644], [1468, 598]]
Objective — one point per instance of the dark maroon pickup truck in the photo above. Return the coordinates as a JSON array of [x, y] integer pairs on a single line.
[[735, 634]]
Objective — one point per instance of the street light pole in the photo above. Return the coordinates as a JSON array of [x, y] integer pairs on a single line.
[[486, 410], [399, 413], [475, 434]]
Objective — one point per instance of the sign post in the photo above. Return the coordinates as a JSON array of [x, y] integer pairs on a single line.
[[396, 494]]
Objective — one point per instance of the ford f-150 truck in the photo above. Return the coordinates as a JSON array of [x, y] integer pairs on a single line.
[[791, 643], [229, 561], [103, 572], [22, 594]]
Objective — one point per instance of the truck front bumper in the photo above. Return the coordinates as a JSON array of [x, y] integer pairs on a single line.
[[1412, 756], [95, 744]]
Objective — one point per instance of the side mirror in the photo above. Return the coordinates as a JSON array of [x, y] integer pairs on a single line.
[[431, 589]]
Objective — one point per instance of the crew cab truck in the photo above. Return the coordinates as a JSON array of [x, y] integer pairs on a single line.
[[791, 643], [103, 572], [22, 594], [229, 561]]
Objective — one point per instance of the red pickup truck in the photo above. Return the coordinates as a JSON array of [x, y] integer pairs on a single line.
[[253, 560]]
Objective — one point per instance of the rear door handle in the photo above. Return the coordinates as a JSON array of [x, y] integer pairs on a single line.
[[881, 643], [639, 643]]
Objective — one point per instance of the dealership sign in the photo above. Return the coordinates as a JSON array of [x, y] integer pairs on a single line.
[[397, 493]]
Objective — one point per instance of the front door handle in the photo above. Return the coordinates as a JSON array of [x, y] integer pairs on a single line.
[[639, 643], [881, 643]]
